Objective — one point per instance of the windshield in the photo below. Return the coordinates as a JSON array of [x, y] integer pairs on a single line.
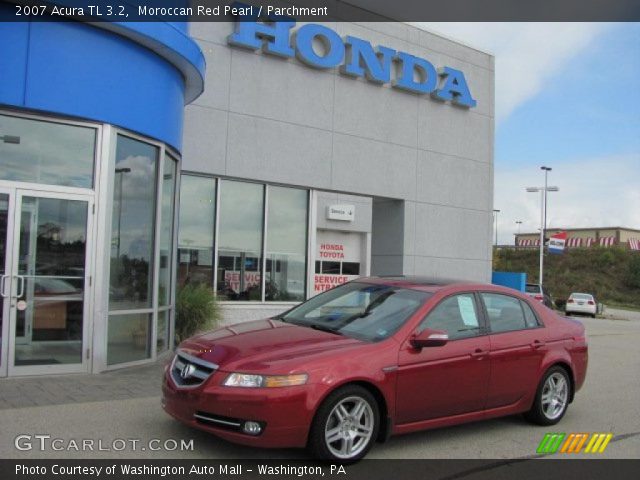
[[359, 310]]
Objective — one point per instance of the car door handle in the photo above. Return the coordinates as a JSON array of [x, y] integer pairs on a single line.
[[537, 344], [478, 353]]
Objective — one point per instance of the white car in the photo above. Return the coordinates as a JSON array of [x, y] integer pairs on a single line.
[[582, 303]]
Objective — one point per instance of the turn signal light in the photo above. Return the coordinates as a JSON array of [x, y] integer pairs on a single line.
[[285, 380], [590, 302], [570, 300]]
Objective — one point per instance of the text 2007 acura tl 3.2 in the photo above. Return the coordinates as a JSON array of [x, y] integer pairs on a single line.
[[378, 357]]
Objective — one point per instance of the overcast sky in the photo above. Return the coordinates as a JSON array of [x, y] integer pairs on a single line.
[[568, 97]]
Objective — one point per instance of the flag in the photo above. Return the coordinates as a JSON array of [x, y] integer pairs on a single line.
[[556, 242]]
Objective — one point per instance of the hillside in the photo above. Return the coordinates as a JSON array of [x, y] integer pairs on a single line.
[[611, 274]]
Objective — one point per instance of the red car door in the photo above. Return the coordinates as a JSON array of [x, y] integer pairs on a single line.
[[451, 379], [518, 346]]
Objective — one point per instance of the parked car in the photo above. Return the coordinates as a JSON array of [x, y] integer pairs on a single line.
[[582, 303], [377, 357], [540, 294]]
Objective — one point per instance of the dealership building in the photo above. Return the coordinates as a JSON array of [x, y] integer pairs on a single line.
[[269, 161]]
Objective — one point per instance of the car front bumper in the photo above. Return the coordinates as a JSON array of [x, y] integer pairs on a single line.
[[284, 413]]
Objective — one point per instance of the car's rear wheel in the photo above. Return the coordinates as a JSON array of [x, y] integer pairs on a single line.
[[345, 425], [552, 397]]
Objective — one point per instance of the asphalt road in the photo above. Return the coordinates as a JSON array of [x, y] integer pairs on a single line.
[[609, 402]]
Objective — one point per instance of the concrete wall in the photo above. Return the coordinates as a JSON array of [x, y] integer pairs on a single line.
[[428, 165]]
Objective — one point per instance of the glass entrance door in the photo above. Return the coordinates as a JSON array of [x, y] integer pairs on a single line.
[[4, 278], [46, 287]]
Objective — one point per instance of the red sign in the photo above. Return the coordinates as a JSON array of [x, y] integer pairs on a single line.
[[332, 250]]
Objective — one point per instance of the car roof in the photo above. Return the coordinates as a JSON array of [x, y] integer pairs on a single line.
[[428, 284]]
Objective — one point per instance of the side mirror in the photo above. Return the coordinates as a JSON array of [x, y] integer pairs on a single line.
[[429, 338]]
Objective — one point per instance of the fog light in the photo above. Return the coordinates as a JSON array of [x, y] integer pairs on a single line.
[[252, 428]]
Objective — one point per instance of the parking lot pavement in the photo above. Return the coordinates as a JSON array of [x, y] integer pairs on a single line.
[[607, 403]]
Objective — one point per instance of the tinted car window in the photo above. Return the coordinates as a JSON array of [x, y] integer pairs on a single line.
[[529, 317], [532, 288], [456, 315], [505, 312]]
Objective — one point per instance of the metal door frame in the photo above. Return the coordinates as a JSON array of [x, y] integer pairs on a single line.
[[87, 326], [6, 283]]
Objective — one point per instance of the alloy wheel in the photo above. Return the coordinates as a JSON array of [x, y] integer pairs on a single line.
[[349, 427], [555, 394]]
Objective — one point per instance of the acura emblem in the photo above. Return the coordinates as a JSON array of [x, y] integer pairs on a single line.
[[187, 371]]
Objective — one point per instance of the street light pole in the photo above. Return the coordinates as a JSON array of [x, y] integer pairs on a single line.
[[544, 228], [496, 223], [543, 195]]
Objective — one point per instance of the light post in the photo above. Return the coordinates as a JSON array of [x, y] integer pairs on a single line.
[[543, 215], [495, 212], [120, 172], [544, 227]]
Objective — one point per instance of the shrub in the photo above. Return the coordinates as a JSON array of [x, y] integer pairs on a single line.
[[632, 275], [196, 311]]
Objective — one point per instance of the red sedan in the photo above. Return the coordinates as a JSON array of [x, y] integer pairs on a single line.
[[378, 357]]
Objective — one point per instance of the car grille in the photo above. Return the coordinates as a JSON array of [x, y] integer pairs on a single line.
[[218, 421], [188, 371]]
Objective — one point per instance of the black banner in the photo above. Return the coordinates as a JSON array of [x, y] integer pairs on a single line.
[[322, 10], [521, 469]]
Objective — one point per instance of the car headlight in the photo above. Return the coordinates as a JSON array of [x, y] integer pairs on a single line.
[[255, 381]]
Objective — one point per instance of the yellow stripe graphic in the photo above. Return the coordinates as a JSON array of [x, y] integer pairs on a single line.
[[601, 437], [605, 443], [591, 442]]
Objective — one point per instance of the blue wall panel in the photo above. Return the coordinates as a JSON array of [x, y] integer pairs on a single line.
[[78, 70], [513, 280]]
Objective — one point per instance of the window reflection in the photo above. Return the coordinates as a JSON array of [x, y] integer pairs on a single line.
[[195, 240], [133, 221], [166, 231], [286, 244], [240, 238], [46, 152]]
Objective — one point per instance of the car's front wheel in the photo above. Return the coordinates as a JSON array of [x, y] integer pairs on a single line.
[[552, 397], [345, 425]]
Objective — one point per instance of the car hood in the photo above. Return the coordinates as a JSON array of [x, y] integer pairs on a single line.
[[265, 346]]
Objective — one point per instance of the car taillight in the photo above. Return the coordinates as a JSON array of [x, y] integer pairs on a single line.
[[540, 298], [590, 302], [570, 300]]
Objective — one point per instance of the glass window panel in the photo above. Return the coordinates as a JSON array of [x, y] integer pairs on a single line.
[[286, 244], [129, 338], [133, 223], [166, 230], [195, 234], [163, 330], [44, 152], [505, 312], [240, 238], [350, 268], [331, 268], [455, 315], [529, 317], [52, 250]]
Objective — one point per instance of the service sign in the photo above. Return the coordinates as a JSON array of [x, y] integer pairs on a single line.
[[344, 213]]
